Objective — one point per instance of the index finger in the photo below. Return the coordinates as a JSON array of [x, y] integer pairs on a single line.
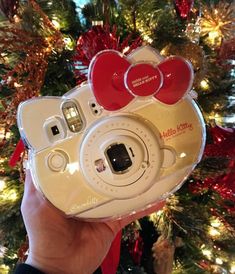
[[29, 187]]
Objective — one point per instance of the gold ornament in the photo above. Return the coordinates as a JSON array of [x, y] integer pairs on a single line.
[[192, 52], [217, 23], [163, 253]]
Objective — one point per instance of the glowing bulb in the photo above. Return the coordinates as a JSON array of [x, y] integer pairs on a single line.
[[147, 39], [9, 195], [2, 185], [4, 268], [68, 43], [2, 159], [16, 18], [204, 84], [232, 269], [97, 23], [2, 251], [207, 253], [56, 23], [219, 261], [12, 196], [213, 232], [216, 223], [16, 85], [214, 37], [126, 49]]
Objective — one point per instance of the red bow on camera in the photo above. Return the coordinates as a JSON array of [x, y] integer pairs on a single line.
[[116, 81]]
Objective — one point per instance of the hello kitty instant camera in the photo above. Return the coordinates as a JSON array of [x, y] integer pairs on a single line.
[[119, 144]]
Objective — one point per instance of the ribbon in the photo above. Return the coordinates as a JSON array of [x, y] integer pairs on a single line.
[[111, 261], [15, 157]]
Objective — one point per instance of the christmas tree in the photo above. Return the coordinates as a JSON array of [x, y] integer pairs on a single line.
[[46, 47]]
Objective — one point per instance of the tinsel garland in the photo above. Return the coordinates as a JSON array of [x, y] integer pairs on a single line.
[[29, 55], [183, 7], [99, 38], [217, 22], [9, 8], [223, 145]]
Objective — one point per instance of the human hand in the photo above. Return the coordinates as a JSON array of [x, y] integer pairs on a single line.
[[64, 245]]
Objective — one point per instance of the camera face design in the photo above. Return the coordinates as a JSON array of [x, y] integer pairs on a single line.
[[122, 142]]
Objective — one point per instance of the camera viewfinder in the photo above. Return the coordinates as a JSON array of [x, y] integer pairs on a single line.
[[55, 130]]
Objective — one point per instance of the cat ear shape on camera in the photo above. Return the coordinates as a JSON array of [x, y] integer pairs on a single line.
[[116, 81]]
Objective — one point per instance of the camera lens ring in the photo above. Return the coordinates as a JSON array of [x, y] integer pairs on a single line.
[[131, 130]]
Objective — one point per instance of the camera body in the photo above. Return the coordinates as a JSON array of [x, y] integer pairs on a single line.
[[113, 146]]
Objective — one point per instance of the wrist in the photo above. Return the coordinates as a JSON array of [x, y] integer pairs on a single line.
[[45, 265], [26, 268]]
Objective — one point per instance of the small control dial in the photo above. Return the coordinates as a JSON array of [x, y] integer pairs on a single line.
[[57, 161]]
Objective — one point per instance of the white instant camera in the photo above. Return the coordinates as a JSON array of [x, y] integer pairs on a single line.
[[119, 144]]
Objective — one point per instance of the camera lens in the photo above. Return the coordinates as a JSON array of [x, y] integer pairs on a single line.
[[119, 157]]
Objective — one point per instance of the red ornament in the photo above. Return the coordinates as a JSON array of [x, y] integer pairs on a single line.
[[9, 8], [223, 145], [223, 142], [111, 261], [98, 38], [23, 251], [16, 155], [227, 52], [135, 247], [183, 7]]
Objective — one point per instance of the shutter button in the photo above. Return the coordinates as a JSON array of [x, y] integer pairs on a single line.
[[57, 161]]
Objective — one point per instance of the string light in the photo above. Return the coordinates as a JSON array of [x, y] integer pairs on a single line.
[[207, 253], [147, 39], [4, 268], [232, 268], [213, 232], [215, 223], [213, 116], [17, 85], [125, 49], [4, 135], [10, 195], [2, 160], [214, 37], [56, 23], [2, 185], [16, 18], [2, 251], [219, 261], [97, 23], [204, 84]]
